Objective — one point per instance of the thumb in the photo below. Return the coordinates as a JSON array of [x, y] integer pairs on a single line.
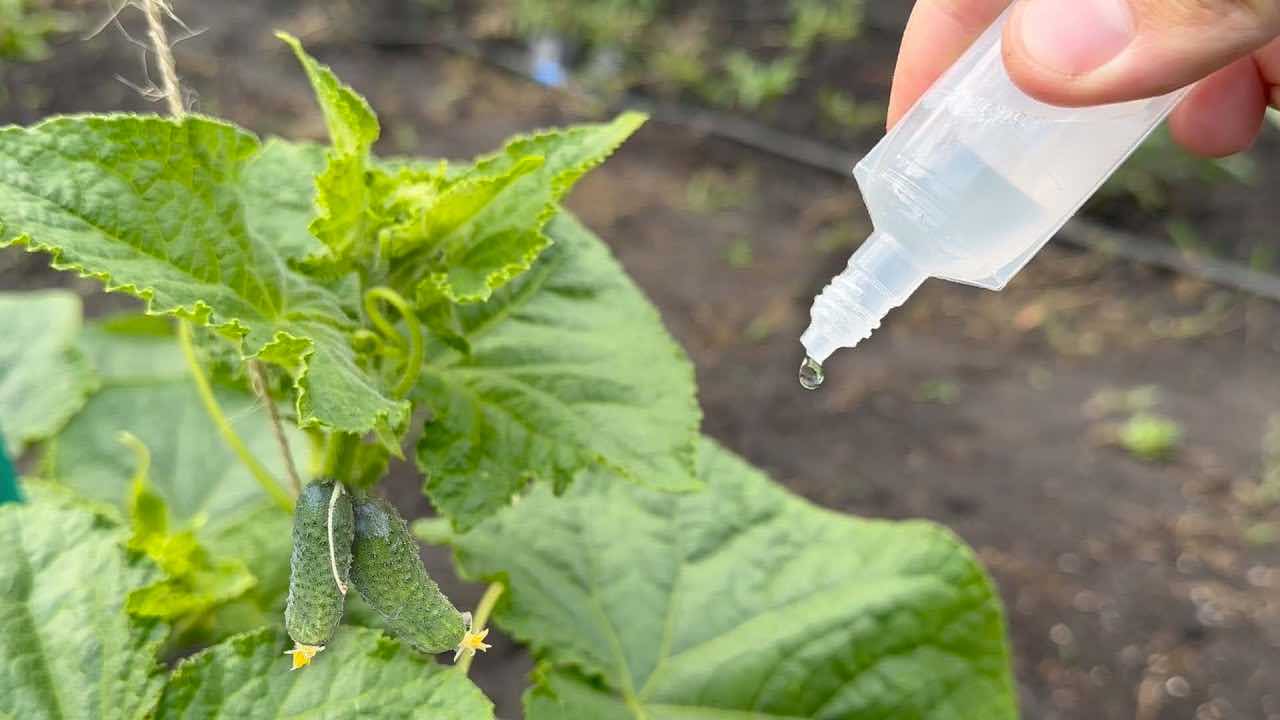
[[1088, 52]]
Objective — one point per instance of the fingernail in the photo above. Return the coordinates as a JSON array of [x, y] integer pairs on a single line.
[[1075, 37]]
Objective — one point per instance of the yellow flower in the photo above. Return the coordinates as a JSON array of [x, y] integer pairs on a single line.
[[302, 654], [471, 641]]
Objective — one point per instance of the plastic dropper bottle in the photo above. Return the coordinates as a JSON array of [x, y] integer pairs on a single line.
[[967, 187]]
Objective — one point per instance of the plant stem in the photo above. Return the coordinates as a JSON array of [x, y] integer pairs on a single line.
[[481, 616], [339, 456], [219, 418], [154, 10], [258, 379]]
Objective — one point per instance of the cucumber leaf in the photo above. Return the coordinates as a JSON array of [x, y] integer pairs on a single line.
[[170, 211], [280, 185], [194, 580], [147, 391], [69, 648], [739, 601], [362, 673], [206, 491], [44, 379], [485, 227], [570, 368], [353, 127], [343, 195]]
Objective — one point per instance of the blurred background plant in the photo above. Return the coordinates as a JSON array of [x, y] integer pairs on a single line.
[[727, 54], [26, 26]]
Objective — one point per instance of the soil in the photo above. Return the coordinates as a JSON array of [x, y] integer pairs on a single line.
[[1134, 589]]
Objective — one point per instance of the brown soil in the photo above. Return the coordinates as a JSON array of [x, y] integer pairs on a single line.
[[1135, 590]]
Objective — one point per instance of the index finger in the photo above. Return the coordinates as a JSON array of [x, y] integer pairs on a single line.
[[938, 33]]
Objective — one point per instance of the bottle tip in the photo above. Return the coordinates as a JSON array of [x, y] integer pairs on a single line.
[[811, 375]]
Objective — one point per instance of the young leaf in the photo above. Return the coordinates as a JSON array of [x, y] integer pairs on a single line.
[[343, 195], [69, 649], [194, 581], [353, 128], [362, 673], [486, 227], [740, 601], [570, 368], [206, 584], [44, 380], [161, 209]]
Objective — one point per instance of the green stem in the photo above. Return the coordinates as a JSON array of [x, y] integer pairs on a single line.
[[481, 616], [319, 443], [417, 348], [339, 456], [219, 418]]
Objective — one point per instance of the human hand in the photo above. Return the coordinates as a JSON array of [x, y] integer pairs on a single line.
[[1088, 52]]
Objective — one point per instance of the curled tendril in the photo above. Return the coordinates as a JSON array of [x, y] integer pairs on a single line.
[[365, 340], [417, 350]]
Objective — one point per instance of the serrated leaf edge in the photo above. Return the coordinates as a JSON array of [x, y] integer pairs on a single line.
[[625, 125], [199, 312]]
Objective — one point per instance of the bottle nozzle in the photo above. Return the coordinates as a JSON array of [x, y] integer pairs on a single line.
[[880, 276]]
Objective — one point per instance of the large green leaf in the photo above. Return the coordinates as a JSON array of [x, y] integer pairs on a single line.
[[279, 185], [67, 648], [192, 468], [171, 211], [486, 227], [133, 349], [44, 380], [361, 674], [741, 601], [570, 369], [148, 392]]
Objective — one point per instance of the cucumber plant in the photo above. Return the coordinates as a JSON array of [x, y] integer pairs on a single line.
[[306, 312]]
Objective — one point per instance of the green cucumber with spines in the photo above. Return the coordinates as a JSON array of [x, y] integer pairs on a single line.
[[315, 604], [388, 573]]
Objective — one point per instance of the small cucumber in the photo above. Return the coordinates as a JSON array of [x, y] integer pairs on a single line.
[[388, 572], [314, 608]]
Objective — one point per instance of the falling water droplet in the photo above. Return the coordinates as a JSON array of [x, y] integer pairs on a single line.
[[811, 376]]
